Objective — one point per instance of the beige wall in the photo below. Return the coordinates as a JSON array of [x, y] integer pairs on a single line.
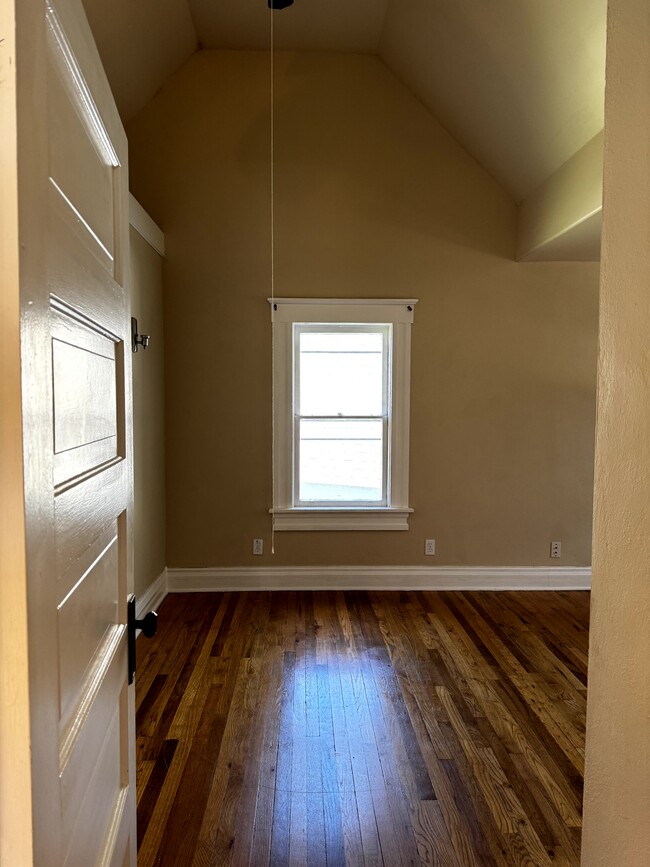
[[148, 416], [373, 198], [617, 785]]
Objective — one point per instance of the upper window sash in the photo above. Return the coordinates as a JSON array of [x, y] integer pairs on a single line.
[[385, 329]]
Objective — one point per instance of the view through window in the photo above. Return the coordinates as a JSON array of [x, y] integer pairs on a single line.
[[342, 413]]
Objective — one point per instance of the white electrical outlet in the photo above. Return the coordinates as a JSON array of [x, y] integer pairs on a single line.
[[258, 546], [556, 550], [429, 547]]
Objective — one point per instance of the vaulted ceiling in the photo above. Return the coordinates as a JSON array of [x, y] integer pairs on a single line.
[[519, 83]]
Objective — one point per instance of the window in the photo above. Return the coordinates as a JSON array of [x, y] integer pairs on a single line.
[[341, 413]]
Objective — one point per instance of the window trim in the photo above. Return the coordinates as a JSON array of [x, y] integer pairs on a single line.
[[284, 313]]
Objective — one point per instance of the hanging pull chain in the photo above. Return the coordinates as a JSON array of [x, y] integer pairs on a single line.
[[272, 152]]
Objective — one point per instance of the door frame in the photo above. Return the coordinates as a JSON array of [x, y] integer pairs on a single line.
[[15, 739]]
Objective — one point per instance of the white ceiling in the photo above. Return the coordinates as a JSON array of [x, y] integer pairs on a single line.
[[519, 83]]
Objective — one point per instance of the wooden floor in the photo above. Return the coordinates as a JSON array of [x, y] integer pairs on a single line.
[[362, 728]]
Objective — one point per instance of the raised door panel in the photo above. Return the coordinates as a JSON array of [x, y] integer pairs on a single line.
[[89, 610], [82, 158], [87, 363]]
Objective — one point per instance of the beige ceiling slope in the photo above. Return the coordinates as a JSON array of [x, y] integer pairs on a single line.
[[521, 86], [141, 43], [308, 25], [519, 83]]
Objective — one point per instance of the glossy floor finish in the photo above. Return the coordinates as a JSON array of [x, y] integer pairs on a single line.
[[352, 728]]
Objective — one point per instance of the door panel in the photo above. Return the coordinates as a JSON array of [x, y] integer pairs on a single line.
[[85, 183], [82, 157], [75, 328], [86, 361], [89, 611], [92, 792], [83, 512], [85, 411]]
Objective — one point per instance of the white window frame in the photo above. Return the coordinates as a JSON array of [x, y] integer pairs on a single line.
[[363, 311]]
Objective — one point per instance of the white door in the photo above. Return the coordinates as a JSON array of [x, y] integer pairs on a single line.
[[76, 410]]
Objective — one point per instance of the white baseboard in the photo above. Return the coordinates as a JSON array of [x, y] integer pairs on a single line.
[[153, 596], [378, 578]]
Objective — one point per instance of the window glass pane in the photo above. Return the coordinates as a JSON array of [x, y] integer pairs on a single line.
[[341, 461], [341, 373]]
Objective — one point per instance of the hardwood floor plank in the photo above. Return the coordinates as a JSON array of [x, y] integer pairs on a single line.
[[143, 771], [179, 668], [179, 720], [151, 654], [360, 782], [558, 630], [500, 645], [259, 668], [232, 600], [562, 849], [352, 841], [434, 843], [281, 829], [217, 835], [541, 740], [545, 662], [542, 748], [391, 769], [486, 850], [145, 711], [274, 658], [179, 840], [509, 734], [329, 772], [362, 728], [519, 785], [495, 788], [151, 789]]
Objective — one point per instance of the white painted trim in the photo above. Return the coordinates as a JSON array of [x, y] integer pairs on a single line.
[[341, 519], [378, 578], [366, 310], [153, 596], [145, 226]]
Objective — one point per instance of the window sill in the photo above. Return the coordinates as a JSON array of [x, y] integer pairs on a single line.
[[340, 519]]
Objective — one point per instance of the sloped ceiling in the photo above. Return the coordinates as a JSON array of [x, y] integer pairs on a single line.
[[519, 83], [141, 43]]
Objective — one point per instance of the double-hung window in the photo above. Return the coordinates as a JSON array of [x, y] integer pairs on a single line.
[[341, 413]]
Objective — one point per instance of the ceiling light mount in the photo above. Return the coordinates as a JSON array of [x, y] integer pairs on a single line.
[[279, 4]]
